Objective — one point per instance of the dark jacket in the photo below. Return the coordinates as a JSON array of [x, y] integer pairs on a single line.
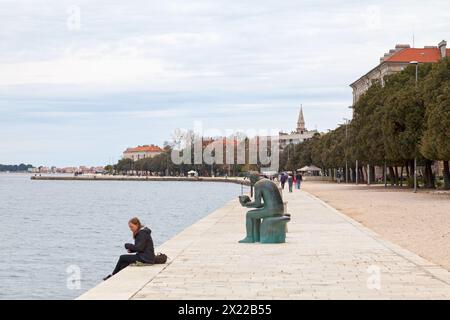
[[143, 246]]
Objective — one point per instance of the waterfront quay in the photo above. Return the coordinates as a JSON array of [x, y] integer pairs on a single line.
[[241, 181], [327, 256]]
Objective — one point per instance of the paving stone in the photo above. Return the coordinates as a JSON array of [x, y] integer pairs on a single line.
[[327, 256]]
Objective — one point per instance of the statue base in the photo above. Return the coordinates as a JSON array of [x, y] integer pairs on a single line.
[[273, 229]]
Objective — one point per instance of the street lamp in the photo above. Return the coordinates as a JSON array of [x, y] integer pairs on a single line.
[[357, 172], [416, 63], [352, 108], [346, 177], [346, 149]]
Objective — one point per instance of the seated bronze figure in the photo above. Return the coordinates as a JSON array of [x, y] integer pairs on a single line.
[[267, 222]]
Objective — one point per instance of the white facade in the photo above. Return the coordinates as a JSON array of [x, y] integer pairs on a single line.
[[395, 61], [142, 152]]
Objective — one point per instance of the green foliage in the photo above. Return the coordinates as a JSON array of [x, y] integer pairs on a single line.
[[367, 145], [435, 143], [162, 164], [109, 168], [124, 165], [392, 123], [15, 168]]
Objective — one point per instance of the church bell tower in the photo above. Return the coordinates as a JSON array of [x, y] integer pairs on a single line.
[[301, 122]]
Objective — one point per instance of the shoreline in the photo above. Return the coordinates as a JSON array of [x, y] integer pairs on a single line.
[[126, 284], [239, 181]]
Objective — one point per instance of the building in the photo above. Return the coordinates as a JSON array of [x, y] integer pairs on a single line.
[[299, 135], [142, 152], [395, 61]]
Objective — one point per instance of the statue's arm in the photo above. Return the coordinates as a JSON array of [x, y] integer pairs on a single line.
[[257, 203]]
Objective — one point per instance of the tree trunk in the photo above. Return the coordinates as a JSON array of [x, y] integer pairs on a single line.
[[429, 177], [372, 174], [361, 175], [446, 175], [410, 176], [401, 177], [411, 164], [392, 176], [396, 176]]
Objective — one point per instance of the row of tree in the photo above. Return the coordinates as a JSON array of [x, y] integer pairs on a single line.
[[162, 165], [15, 168], [393, 124]]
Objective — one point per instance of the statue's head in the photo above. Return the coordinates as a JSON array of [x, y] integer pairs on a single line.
[[254, 177]]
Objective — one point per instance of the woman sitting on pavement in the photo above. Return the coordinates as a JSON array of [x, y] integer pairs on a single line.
[[142, 249]]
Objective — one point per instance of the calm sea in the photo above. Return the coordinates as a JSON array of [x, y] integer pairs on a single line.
[[51, 231]]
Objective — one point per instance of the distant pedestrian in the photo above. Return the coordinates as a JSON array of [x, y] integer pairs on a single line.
[[283, 179], [291, 182], [299, 179]]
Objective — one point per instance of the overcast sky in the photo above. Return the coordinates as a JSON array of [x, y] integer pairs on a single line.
[[82, 80]]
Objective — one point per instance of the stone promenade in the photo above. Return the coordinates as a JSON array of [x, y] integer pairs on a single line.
[[327, 256]]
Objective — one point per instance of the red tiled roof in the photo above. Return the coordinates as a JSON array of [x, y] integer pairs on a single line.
[[151, 148], [423, 55]]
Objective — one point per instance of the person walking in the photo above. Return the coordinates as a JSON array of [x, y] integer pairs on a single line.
[[283, 179], [299, 178], [290, 182]]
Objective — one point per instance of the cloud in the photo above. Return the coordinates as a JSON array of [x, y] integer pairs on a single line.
[[134, 71], [74, 70]]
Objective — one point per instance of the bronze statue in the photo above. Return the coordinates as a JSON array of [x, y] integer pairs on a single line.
[[269, 207]]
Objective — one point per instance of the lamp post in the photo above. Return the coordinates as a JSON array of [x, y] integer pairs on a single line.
[[346, 148], [346, 130], [385, 174], [416, 63]]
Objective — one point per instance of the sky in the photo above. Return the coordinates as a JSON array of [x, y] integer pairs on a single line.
[[80, 81]]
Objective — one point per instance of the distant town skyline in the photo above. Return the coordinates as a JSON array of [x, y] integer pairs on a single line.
[[80, 82]]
